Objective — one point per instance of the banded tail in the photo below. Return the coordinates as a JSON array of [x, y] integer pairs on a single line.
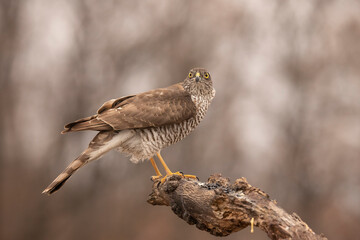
[[66, 174], [102, 143]]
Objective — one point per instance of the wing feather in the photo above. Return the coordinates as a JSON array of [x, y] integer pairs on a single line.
[[150, 109], [112, 103], [155, 108]]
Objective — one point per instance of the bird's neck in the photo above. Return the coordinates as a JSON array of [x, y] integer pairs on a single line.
[[200, 91], [202, 102]]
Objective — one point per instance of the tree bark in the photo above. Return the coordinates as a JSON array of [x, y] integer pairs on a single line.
[[221, 208]]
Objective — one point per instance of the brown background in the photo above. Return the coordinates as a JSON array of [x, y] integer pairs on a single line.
[[286, 115]]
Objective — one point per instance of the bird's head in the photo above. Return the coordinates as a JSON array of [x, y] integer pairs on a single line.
[[198, 81]]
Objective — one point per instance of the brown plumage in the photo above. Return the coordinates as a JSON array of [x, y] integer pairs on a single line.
[[141, 125], [149, 109]]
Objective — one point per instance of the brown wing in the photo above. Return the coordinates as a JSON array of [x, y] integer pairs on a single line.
[[113, 102], [150, 109], [92, 123]]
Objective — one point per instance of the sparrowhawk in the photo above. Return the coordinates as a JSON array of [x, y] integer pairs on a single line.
[[141, 125]]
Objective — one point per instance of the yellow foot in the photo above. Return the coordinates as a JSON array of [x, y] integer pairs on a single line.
[[154, 178], [179, 174]]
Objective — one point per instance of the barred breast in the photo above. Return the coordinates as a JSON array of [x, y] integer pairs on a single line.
[[145, 143]]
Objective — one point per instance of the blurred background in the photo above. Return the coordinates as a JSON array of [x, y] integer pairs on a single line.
[[286, 115]]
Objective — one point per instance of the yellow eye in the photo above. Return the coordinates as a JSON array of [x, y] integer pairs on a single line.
[[206, 75], [190, 75]]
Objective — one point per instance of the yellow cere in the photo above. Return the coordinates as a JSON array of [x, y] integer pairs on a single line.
[[197, 74]]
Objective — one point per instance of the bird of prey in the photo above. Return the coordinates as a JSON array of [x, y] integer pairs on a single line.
[[143, 124]]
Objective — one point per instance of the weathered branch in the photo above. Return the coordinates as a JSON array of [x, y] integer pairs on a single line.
[[222, 208]]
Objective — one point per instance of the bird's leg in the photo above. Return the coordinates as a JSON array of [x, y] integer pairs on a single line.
[[169, 172], [158, 173]]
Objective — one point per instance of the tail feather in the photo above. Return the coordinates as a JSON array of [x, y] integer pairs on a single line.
[[102, 143], [66, 174], [56, 185]]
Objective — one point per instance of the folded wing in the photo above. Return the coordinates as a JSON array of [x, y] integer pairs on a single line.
[[149, 109]]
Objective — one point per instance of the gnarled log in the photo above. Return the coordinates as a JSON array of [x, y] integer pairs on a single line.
[[222, 208]]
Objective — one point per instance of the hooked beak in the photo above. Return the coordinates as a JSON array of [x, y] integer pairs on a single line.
[[197, 77]]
